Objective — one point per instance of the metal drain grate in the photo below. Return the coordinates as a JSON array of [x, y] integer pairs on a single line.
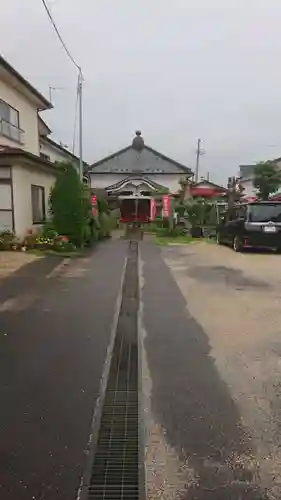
[[115, 471]]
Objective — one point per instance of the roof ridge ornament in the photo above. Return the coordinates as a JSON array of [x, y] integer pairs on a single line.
[[138, 142]]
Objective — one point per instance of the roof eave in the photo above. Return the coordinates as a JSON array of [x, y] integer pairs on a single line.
[[42, 103], [185, 169], [10, 158]]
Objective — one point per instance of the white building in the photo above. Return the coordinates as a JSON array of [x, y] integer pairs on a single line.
[[51, 150], [246, 175], [27, 154], [137, 169]]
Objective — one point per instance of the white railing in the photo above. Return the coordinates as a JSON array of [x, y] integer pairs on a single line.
[[11, 131]]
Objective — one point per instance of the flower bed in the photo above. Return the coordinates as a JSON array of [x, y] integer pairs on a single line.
[[36, 241]]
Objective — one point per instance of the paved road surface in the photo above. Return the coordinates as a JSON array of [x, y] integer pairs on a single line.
[[52, 350], [210, 364], [212, 372]]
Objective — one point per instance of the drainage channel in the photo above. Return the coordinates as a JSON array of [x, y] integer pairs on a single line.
[[115, 468]]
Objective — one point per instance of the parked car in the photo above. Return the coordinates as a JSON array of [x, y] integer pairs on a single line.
[[254, 225]]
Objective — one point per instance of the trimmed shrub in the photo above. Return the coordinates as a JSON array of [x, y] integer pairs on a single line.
[[70, 205]]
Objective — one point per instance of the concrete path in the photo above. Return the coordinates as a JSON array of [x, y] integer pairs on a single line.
[[13, 261], [197, 445], [52, 350], [31, 274]]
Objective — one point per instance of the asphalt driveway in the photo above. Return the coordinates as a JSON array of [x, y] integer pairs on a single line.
[[52, 349]]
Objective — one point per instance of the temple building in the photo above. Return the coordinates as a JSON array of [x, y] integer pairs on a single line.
[[137, 170]]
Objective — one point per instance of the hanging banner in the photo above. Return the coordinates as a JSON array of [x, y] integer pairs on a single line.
[[166, 205], [94, 204], [152, 209]]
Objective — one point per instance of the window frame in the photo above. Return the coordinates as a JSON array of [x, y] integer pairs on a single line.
[[42, 189], [11, 124], [14, 109], [7, 181]]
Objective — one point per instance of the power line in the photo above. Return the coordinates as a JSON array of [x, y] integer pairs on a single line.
[[79, 90], [60, 37]]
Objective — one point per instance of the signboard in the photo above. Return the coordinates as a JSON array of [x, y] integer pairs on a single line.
[[94, 204], [152, 209], [166, 205]]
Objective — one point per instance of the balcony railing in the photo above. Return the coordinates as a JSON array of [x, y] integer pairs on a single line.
[[11, 131]]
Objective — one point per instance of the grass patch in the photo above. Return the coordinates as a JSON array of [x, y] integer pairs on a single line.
[[174, 240], [180, 240]]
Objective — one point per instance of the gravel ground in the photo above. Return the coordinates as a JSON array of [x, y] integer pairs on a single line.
[[12, 261], [211, 335], [236, 300]]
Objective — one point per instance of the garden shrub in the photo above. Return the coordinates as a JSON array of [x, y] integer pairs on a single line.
[[30, 240], [8, 241], [61, 245], [105, 225], [70, 205], [49, 230]]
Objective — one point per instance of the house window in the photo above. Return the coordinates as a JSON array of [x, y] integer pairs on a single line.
[[5, 195], [38, 204], [9, 122], [6, 210]]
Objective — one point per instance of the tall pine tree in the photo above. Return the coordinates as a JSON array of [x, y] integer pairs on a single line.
[[70, 204]]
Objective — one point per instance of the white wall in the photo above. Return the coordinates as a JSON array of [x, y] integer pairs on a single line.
[[28, 119], [249, 189], [23, 178], [170, 181], [55, 154], [102, 181]]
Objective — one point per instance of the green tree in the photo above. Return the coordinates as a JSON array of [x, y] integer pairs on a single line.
[[70, 205], [197, 211], [267, 179]]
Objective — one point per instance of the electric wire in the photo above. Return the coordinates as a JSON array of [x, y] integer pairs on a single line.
[[60, 37]]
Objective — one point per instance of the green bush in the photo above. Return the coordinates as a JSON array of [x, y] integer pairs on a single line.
[[180, 208], [63, 246], [94, 228], [105, 225], [70, 205], [49, 230], [173, 232], [8, 241], [102, 206], [30, 240]]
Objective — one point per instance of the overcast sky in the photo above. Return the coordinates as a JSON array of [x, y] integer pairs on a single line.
[[175, 69]]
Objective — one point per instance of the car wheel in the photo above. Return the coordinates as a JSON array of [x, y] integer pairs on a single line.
[[237, 244]]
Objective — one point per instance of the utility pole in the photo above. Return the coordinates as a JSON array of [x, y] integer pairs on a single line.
[[199, 152], [80, 101]]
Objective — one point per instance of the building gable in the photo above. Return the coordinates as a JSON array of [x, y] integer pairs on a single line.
[[143, 161]]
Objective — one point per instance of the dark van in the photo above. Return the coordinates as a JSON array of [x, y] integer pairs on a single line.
[[255, 225]]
